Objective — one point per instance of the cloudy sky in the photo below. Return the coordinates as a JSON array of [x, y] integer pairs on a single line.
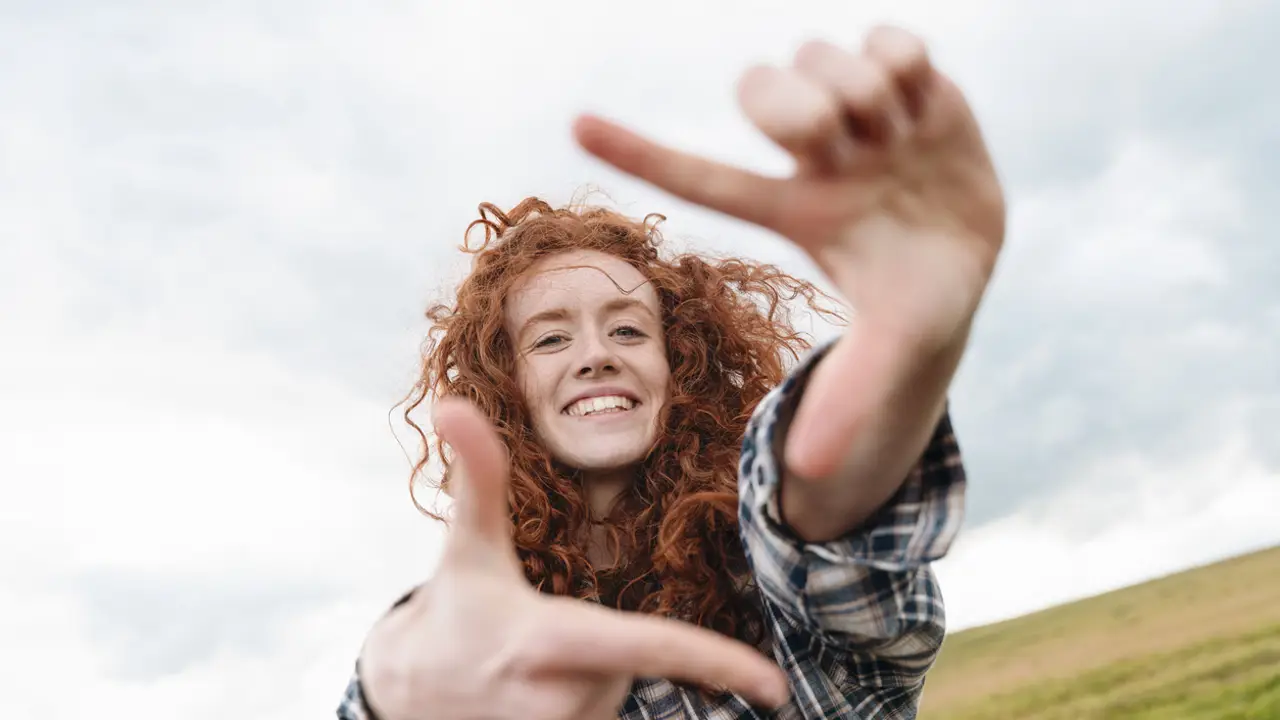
[[219, 225]]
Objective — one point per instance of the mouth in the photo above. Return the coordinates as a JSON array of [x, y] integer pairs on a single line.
[[600, 405]]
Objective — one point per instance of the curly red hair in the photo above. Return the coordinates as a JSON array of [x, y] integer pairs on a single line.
[[729, 340]]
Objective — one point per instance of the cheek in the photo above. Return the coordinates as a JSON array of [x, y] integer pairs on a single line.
[[534, 389], [535, 411], [659, 374], [524, 382]]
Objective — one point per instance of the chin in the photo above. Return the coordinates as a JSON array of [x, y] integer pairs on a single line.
[[599, 452], [603, 448], [604, 459]]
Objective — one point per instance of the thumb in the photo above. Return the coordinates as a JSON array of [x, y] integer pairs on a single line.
[[480, 493]]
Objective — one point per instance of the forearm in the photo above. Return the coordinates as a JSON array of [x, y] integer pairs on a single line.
[[822, 590], [844, 460]]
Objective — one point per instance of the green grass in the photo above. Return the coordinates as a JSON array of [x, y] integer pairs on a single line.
[[1200, 644]]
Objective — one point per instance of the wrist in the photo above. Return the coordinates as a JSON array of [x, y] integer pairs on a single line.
[[901, 363]]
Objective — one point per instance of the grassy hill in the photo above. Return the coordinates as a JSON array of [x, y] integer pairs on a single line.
[[1204, 643]]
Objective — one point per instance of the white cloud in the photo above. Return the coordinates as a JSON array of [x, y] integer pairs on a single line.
[[189, 517], [1143, 230], [1170, 515]]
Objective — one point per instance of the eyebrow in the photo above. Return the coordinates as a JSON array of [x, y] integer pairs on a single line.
[[557, 314]]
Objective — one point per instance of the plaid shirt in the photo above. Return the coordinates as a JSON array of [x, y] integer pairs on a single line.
[[857, 622]]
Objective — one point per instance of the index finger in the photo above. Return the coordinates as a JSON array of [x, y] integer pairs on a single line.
[[730, 190], [593, 639]]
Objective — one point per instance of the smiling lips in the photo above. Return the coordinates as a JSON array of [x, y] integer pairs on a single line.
[[600, 405]]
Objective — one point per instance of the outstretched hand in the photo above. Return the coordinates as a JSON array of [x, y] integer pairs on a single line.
[[478, 641], [895, 198], [894, 194]]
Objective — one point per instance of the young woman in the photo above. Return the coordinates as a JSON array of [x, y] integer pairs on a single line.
[[655, 518]]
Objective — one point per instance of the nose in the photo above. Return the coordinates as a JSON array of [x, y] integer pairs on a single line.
[[598, 359]]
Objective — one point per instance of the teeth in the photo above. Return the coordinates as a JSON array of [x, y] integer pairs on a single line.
[[606, 403]]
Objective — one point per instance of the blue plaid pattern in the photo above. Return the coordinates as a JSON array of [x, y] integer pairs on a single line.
[[855, 623]]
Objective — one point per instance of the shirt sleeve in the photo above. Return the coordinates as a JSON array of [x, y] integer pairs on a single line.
[[870, 596]]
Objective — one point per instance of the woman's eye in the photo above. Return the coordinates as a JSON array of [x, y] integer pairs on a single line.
[[628, 331], [549, 341]]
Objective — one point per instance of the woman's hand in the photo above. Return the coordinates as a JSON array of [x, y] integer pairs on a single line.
[[478, 642], [894, 194], [895, 198]]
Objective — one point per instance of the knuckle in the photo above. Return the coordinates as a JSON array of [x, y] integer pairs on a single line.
[[869, 86], [913, 57], [903, 52], [879, 83], [814, 55], [882, 36], [750, 82]]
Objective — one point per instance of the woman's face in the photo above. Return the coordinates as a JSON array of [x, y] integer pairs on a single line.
[[590, 358]]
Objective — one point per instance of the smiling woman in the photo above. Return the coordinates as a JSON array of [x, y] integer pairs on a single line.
[[593, 362], [570, 313]]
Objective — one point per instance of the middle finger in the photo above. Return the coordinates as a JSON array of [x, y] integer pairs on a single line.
[[800, 115]]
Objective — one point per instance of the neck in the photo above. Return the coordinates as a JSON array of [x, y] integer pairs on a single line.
[[603, 489]]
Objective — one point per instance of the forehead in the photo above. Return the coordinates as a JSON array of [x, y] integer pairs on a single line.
[[577, 280]]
